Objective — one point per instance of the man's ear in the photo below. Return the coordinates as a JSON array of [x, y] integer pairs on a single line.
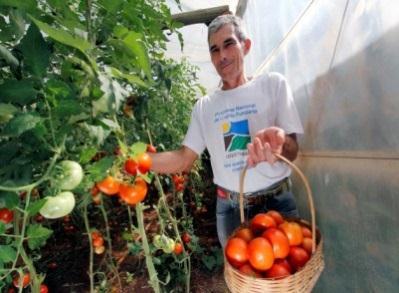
[[247, 46]]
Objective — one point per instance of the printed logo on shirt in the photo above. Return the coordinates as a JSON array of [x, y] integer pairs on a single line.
[[236, 135]]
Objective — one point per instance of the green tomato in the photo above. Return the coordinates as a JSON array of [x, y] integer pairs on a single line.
[[70, 176], [164, 242], [58, 206]]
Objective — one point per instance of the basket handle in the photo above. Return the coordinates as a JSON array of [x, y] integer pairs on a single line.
[[308, 191]]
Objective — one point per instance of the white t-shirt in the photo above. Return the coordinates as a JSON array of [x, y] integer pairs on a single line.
[[225, 121]]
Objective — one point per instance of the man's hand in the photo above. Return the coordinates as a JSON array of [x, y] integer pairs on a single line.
[[266, 142]]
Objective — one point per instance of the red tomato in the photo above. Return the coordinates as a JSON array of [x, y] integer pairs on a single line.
[[262, 221], [151, 148], [178, 179], [25, 280], [109, 186], [293, 231], [97, 242], [277, 271], [298, 257], [179, 187], [95, 234], [306, 232], [6, 215], [136, 193], [43, 288], [245, 233], [278, 218], [260, 254], [284, 262], [186, 237], [131, 167], [236, 251], [249, 271], [279, 242], [145, 163], [307, 244], [178, 248]]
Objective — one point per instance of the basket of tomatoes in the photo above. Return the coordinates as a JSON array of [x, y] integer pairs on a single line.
[[271, 253]]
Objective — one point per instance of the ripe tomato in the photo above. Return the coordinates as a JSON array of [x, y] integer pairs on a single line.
[[245, 233], [279, 242], [306, 232], [249, 271], [236, 251], [43, 288], [151, 148], [69, 175], [95, 234], [284, 262], [178, 179], [58, 206], [178, 248], [99, 249], [278, 218], [6, 215], [293, 231], [97, 242], [186, 237], [307, 244], [25, 280], [260, 254], [109, 185], [277, 271], [131, 166], [298, 257], [261, 222], [132, 194], [145, 163]]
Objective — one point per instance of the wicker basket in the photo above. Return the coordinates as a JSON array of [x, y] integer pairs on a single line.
[[303, 280]]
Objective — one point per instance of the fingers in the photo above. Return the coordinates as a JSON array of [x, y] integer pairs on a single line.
[[258, 152]]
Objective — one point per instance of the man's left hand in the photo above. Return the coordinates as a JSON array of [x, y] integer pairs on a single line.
[[266, 142]]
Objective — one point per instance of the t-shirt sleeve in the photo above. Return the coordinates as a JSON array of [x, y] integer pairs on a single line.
[[194, 138], [287, 114]]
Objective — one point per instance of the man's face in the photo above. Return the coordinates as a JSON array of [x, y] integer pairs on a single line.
[[227, 53]]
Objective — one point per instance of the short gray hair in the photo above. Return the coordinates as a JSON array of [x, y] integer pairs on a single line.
[[225, 19]]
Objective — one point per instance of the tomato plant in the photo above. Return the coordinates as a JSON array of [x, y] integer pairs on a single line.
[[6, 215]]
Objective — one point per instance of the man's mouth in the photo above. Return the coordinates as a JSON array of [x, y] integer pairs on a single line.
[[225, 64]]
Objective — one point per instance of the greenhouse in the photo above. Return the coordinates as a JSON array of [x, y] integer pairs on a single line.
[[199, 146]]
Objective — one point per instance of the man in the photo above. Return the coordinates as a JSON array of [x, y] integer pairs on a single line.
[[224, 123]]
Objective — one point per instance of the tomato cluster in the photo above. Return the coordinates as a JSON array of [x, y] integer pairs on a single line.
[[270, 247], [129, 193], [178, 182], [98, 242]]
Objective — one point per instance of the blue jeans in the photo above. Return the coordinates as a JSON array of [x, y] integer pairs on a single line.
[[228, 212]]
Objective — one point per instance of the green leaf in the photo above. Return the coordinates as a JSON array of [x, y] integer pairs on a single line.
[[97, 133], [36, 52], [87, 154], [8, 199], [63, 37], [35, 207], [133, 41], [2, 227], [37, 235], [111, 6], [8, 57], [138, 148], [98, 170], [28, 5], [67, 108], [20, 124], [134, 79], [7, 253], [17, 91], [112, 98], [7, 111]]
